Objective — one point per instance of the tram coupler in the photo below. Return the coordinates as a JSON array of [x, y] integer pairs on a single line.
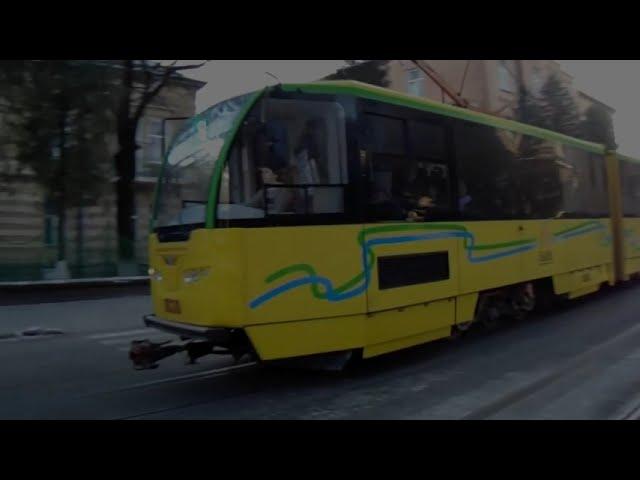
[[196, 350], [145, 354]]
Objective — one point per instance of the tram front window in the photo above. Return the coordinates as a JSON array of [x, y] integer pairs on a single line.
[[186, 178], [288, 159]]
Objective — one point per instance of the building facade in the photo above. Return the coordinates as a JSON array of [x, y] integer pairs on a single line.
[[28, 227], [491, 85]]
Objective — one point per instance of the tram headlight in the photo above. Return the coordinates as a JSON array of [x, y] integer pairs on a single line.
[[193, 275], [154, 274]]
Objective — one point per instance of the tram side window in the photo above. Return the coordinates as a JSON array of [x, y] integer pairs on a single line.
[[536, 174], [293, 162], [579, 197], [634, 191], [409, 178], [623, 169], [385, 142], [429, 173], [486, 184], [630, 184], [599, 185]]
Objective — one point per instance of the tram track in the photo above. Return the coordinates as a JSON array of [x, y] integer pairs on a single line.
[[576, 353], [583, 363], [212, 373], [216, 373]]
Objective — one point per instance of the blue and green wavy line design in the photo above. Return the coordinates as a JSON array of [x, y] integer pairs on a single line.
[[323, 288]]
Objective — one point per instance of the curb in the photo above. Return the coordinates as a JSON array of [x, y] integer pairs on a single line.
[[74, 283]]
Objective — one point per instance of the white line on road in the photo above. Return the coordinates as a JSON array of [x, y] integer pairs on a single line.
[[213, 373], [101, 336], [631, 411], [121, 341]]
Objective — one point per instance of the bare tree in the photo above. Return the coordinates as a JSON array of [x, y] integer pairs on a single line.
[[141, 82], [367, 71], [57, 114]]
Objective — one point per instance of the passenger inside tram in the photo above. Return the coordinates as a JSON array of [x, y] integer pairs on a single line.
[[279, 199]]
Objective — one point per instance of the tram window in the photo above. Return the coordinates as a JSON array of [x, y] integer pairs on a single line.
[[600, 196], [485, 169], [427, 140], [630, 182], [624, 168], [579, 198], [428, 171], [289, 158], [385, 141], [385, 135], [406, 183], [634, 191], [537, 180]]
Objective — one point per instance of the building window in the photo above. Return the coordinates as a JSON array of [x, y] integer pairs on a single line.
[[415, 82], [153, 144], [50, 224], [149, 153], [536, 81], [506, 75]]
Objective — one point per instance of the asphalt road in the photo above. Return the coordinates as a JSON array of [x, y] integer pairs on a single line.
[[579, 362]]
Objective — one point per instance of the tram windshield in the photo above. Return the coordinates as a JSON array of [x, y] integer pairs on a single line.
[[184, 186], [289, 158]]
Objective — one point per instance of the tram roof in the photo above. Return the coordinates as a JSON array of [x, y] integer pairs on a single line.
[[372, 92], [627, 158]]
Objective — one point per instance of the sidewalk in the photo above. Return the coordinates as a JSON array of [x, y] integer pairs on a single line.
[[54, 291], [75, 282]]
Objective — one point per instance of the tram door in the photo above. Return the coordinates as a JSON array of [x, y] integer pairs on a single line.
[[411, 248]]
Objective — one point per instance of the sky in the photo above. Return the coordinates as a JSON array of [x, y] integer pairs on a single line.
[[613, 82]]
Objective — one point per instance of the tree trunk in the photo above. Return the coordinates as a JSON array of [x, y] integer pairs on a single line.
[[62, 194], [125, 161], [62, 223], [79, 238], [126, 201]]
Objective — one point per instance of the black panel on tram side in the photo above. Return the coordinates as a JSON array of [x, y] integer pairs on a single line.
[[412, 269]]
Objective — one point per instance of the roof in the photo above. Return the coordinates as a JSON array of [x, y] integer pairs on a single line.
[[177, 76], [627, 158], [364, 90], [595, 100]]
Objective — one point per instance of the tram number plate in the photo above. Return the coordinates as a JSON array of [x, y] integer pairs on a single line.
[[172, 306]]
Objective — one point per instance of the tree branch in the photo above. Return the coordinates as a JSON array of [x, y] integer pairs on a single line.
[[168, 72]]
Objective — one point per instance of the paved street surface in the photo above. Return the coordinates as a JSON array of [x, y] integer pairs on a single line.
[[580, 362]]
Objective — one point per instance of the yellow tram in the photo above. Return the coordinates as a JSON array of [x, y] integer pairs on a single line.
[[340, 217]]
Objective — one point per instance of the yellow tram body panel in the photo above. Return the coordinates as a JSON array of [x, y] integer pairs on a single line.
[[305, 290]]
